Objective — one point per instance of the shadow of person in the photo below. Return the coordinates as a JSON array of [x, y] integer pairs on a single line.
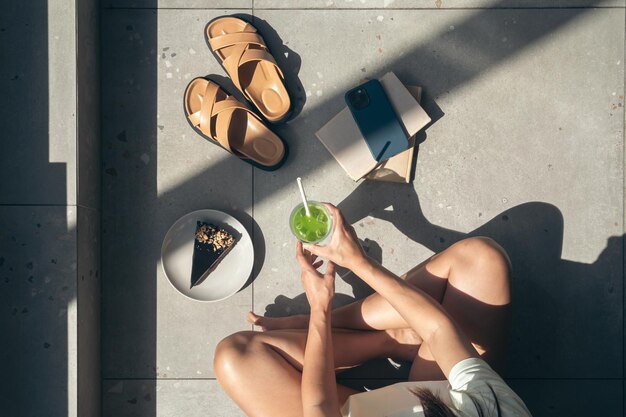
[[359, 288], [576, 314], [285, 306], [560, 308]]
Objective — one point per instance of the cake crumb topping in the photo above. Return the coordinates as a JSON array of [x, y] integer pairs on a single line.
[[218, 238]]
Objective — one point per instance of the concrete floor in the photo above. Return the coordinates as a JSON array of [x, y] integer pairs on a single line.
[[527, 148]]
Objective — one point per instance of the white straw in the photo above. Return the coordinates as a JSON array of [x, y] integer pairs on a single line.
[[306, 204]]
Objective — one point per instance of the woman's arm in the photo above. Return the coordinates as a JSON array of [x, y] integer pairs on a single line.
[[446, 343], [319, 388]]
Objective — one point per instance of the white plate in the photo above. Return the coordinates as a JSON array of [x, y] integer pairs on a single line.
[[230, 275]]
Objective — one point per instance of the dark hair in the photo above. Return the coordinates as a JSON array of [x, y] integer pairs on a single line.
[[434, 407], [431, 404]]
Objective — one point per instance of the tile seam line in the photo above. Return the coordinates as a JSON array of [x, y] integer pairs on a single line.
[[76, 112], [36, 205], [101, 307], [176, 8], [49, 205], [370, 8], [77, 340], [86, 207]]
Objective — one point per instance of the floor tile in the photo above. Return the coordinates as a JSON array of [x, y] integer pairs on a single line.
[[166, 398], [38, 314], [39, 123], [179, 4], [318, 4], [495, 4], [429, 4], [88, 101], [575, 397], [88, 309], [512, 150], [156, 169]]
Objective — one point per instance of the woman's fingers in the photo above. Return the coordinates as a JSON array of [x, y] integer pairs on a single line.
[[340, 220], [330, 269], [316, 250], [306, 257], [307, 260], [301, 256], [344, 246], [336, 213]]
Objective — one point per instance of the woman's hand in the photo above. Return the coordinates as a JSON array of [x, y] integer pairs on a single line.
[[344, 248], [319, 388], [319, 288]]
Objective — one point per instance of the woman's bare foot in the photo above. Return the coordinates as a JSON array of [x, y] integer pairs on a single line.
[[278, 323]]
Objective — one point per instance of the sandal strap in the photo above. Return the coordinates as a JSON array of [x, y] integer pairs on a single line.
[[237, 58], [222, 111], [206, 107], [231, 39]]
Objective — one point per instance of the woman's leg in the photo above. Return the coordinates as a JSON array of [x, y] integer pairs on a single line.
[[375, 313], [370, 313], [471, 281], [477, 297], [246, 361]]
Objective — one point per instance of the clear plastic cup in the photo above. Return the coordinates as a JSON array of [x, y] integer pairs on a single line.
[[317, 228]]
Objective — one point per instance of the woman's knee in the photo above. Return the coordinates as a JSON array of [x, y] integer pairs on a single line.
[[484, 252], [483, 269], [230, 354]]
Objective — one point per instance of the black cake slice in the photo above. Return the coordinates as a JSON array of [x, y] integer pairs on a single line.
[[210, 246]]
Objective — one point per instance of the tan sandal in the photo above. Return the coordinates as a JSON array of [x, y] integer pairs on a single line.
[[225, 121], [245, 57]]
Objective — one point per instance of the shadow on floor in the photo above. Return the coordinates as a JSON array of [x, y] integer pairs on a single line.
[[532, 235], [37, 290]]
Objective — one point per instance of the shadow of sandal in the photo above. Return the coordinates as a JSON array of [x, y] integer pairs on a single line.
[[288, 61]]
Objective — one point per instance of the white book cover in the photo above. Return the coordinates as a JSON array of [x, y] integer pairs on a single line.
[[343, 139]]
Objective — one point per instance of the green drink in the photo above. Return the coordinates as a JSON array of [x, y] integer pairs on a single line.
[[314, 228]]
